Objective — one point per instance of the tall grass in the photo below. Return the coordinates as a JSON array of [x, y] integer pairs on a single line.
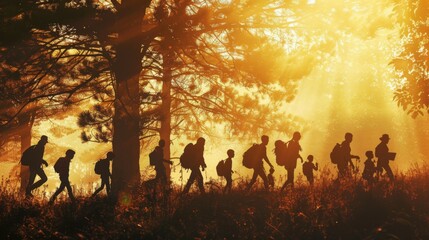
[[349, 209]]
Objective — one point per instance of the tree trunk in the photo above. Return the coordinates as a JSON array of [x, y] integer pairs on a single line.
[[25, 143], [126, 69], [26, 124], [165, 130]]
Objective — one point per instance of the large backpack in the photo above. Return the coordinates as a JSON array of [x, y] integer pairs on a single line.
[[220, 168], [187, 159], [336, 154], [27, 156], [281, 152], [98, 167], [252, 156]]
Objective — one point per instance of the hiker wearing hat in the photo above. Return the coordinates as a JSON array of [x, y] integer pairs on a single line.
[[35, 166], [383, 155]]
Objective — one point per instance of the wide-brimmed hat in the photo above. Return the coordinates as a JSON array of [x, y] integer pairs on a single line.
[[385, 137]]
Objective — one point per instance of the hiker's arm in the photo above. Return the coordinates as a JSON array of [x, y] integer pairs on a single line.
[[268, 161], [316, 167], [44, 162], [203, 165], [299, 156]]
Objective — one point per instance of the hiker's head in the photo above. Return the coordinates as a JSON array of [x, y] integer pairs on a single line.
[[385, 138], [110, 155], [265, 139], [43, 139], [369, 154], [70, 154], [348, 137], [296, 136], [161, 143], [310, 158], [201, 141], [230, 153]]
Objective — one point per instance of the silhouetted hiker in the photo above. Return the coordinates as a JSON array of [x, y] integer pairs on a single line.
[[62, 167], [258, 165], [102, 167], [293, 149], [228, 170], [369, 169], [383, 155], [308, 167], [156, 158], [194, 158], [346, 156], [33, 157]]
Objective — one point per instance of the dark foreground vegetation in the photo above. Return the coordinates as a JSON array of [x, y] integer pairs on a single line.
[[329, 210]]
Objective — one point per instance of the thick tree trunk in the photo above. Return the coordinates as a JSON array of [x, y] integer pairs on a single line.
[[25, 126], [25, 143], [165, 130], [126, 129]]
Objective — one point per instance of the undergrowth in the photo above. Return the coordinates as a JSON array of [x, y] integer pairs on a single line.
[[347, 209]]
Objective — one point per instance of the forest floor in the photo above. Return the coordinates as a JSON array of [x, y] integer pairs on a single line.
[[329, 210]]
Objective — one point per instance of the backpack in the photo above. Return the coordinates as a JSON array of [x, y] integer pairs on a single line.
[[59, 165], [306, 169], [187, 159], [153, 157], [336, 154], [98, 167], [252, 156], [281, 152], [27, 156], [220, 168]]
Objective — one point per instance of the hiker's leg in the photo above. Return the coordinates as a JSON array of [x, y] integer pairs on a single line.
[[262, 174], [389, 171], [199, 177], [290, 176], [42, 180], [69, 190], [311, 180], [59, 190], [107, 183], [253, 180], [287, 180], [99, 189], [228, 186], [190, 181], [30, 180]]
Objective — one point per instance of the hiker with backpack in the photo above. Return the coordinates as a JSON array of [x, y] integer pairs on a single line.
[[369, 169], [156, 158], [384, 156], [291, 157], [193, 158], [253, 158], [307, 169], [345, 157], [224, 168], [33, 158], [102, 167], [62, 167]]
